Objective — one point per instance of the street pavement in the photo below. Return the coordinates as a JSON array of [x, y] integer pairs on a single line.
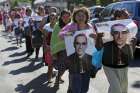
[[21, 75]]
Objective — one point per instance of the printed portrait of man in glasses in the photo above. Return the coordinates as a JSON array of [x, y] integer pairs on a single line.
[[80, 44], [120, 34], [116, 57]]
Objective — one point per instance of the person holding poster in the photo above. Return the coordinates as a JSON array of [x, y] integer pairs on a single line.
[[18, 29], [116, 57], [79, 62], [48, 29], [37, 37], [27, 32], [58, 46]]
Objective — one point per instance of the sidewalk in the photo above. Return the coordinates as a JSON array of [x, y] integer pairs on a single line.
[[1, 28]]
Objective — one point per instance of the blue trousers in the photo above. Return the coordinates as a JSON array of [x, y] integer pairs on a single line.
[[79, 83]]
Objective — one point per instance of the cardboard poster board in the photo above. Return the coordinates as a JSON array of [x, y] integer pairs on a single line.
[[69, 42], [105, 27]]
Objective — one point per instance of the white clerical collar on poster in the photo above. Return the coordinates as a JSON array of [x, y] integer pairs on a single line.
[[69, 42], [105, 27]]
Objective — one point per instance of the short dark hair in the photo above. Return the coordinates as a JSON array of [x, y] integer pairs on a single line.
[[121, 12], [112, 27], [81, 9], [28, 9]]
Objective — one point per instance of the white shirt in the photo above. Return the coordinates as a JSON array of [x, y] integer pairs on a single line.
[[38, 18], [26, 21], [8, 22], [48, 28], [16, 22]]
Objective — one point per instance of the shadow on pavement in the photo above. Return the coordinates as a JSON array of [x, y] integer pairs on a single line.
[[4, 34], [14, 42], [37, 85], [137, 52], [15, 61], [18, 54], [136, 84], [29, 68], [9, 49], [136, 61], [34, 59]]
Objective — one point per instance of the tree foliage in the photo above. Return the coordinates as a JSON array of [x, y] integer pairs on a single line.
[[94, 2], [15, 2], [106, 2]]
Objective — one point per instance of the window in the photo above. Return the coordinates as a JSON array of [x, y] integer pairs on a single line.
[[117, 6], [110, 8], [138, 9], [106, 11], [130, 8]]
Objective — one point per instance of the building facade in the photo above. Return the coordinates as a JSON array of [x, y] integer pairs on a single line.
[[5, 5], [57, 3]]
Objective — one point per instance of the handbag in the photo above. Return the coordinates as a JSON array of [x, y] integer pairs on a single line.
[[97, 59]]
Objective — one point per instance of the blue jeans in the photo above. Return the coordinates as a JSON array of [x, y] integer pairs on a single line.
[[79, 83]]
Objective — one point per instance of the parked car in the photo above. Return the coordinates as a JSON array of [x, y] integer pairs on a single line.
[[95, 10], [133, 8]]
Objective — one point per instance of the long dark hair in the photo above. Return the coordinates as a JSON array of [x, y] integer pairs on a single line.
[[61, 23]]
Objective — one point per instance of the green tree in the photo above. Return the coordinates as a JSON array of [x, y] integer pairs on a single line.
[[29, 1], [105, 2], [97, 2], [15, 2]]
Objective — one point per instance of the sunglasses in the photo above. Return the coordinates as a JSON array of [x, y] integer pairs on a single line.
[[53, 17], [66, 16]]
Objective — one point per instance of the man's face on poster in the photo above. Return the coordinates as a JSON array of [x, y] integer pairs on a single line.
[[120, 34], [80, 45]]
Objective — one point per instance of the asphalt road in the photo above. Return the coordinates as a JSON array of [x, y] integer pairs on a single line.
[[21, 75]]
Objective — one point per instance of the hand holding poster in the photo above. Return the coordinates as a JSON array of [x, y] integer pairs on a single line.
[[105, 27], [81, 39]]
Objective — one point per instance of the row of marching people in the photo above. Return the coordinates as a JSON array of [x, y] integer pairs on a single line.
[[49, 30], [39, 33], [42, 31], [79, 65]]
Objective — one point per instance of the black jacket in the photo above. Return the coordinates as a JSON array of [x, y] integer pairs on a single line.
[[74, 63], [111, 53]]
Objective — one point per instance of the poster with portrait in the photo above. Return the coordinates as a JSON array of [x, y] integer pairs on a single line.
[[105, 27], [80, 42]]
